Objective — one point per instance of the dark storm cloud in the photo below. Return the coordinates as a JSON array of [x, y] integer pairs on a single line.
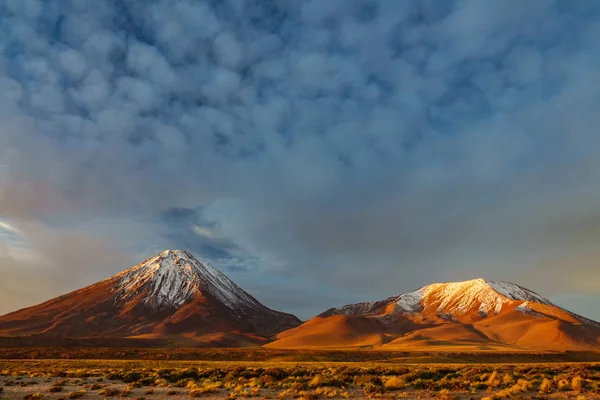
[[364, 146]]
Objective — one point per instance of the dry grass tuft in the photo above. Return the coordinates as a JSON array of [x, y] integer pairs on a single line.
[[109, 392], [445, 394], [33, 396], [546, 386], [522, 385], [76, 395], [578, 384], [316, 381], [195, 390], [564, 385], [394, 383]]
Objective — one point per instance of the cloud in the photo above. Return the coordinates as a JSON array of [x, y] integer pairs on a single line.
[[363, 146], [8, 227]]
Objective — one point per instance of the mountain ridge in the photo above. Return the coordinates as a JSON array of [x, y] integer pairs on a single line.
[[470, 314], [503, 289]]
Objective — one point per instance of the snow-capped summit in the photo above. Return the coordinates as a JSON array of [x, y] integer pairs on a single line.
[[476, 297], [459, 298], [173, 277], [170, 295]]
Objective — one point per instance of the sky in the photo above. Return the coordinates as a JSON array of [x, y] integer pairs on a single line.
[[319, 152]]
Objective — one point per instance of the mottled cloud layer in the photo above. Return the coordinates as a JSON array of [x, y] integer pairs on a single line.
[[319, 152]]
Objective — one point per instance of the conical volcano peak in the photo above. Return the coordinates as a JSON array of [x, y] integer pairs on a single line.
[[169, 258], [177, 253], [174, 277], [170, 293], [177, 260], [164, 280]]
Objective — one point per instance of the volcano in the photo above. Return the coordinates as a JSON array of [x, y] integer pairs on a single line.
[[475, 315], [169, 299]]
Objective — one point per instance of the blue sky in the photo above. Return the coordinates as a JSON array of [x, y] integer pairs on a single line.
[[319, 152]]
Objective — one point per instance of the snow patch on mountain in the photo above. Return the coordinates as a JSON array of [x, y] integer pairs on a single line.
[[364, 308], [456, 298], [516, 292], [410, 302], [173, 277], [525, 309]]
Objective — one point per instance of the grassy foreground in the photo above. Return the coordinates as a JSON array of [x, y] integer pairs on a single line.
[[158, 379]]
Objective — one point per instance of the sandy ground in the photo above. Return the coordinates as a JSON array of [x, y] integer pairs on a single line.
[[22, 386]]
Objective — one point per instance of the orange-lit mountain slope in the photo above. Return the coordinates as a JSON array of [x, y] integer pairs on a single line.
[[475, 315]]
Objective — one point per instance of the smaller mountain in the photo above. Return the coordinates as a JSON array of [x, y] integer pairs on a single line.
[[169, 299], [475, 315]]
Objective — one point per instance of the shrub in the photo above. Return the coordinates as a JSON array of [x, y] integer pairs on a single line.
[[419, 384], [445, 394], [371, 389], [161, 382], [325, 392], [266, 380], [393, 383], [109, 392], [207, 387], [564, 385], [577, 384], [33, 396], [426, 375], [508, 379], [493, 379], [76, 395], [546, 386], [277, 373], [146, 381], [114, 376], [316, 381], [522, 385], [132, 377], [55, 389]]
